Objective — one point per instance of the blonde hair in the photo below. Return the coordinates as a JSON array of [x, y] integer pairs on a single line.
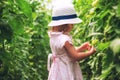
[[60, 28]]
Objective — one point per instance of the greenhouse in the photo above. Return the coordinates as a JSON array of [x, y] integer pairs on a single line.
[[24, 40]]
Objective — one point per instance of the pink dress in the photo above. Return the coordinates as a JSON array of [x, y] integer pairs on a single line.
[[62, 67]]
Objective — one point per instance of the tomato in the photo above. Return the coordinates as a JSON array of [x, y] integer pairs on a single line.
[[92, 11], [95, 3], [95, 41]]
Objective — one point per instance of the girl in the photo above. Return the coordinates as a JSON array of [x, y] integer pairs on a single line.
[[64, 56]]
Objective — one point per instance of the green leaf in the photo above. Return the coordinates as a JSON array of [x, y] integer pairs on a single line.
[[117, 30], [103, 46], [16, 25], [104, 14], [106, 72], [107, 60], [118, 9], [5, 32], [25, 7], [117, 66], [95, 34], [107, 29]]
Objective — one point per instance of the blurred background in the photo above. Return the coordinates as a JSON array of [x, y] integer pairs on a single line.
[[24, 42]]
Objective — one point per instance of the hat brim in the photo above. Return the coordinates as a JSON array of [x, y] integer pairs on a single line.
[[65, 21]]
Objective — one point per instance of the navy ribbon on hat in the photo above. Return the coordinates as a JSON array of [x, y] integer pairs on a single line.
[[64, 17]]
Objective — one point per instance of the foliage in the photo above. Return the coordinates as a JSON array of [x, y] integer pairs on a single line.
[[23, 40], [100, 27]]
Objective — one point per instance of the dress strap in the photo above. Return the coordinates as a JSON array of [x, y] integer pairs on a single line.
[[49, 61]]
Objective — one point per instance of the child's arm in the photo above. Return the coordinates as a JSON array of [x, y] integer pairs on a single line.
[[74, 54]]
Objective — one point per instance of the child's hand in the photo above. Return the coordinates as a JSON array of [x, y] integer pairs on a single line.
[[86, 46], [92, 50]]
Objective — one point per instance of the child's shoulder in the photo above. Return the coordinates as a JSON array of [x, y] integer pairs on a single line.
[[64, 36], [59, 35]]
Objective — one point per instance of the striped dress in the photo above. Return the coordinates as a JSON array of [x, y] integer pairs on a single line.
[[62, 66]]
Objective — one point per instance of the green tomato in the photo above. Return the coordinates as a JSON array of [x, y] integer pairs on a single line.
[[92, 11], [88, 16], [95, 41], [115, 46], [95, 3], [31, 63]]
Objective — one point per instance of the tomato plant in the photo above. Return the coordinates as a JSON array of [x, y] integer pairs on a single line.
[[100, 27]]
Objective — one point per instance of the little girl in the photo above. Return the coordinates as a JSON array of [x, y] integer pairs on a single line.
[[64, 56]]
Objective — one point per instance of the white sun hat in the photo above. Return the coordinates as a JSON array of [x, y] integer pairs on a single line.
[[64, 14]]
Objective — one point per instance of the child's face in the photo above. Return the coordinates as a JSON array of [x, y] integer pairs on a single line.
[[70, 27]]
